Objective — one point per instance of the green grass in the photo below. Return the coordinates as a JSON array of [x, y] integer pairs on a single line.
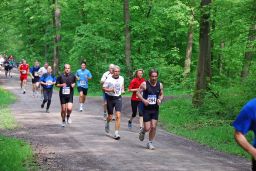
[[179, 117], [15, 154]]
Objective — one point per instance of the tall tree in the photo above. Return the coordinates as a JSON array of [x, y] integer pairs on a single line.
[[204, 60], [57, 38], [127, 38], [187, 66]]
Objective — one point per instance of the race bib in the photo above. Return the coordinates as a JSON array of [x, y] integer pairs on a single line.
[[117, 89], [6, 64], [23, 71], [66, 90], [152, 99], [36, 74], [82, 82], [49, 83]]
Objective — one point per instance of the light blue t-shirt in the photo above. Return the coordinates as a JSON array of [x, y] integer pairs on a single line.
[[83, 75]]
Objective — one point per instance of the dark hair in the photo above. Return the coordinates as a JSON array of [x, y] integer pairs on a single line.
[[83, 62], [153, 70]]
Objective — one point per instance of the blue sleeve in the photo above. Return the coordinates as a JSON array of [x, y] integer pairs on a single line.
[[42, 79], [77, 75], [54, 79], [31, 70], [243, 121], [89, 74]]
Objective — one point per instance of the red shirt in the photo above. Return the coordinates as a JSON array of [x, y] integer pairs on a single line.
[[135, 83], [24, 69]]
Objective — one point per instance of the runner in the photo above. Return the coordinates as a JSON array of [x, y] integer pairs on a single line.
[[135, 101], [11, 65], [152, 97], [6, 66], [244, 123], [41, 72], [102, 80], [47, 82], [82, 76], [35, 78], [24, 71], [114, 87], [66, 82]]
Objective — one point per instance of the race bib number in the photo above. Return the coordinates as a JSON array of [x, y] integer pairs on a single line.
[[6, 64], [82, 82], [66, 90], [36, 74], [23, 71], [152, 99]]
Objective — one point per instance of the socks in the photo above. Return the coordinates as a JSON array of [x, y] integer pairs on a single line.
[[116, 132]]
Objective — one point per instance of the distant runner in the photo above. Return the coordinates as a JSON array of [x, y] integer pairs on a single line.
[[66, 82], [41, 72], [24, 71], [136, 103], [47, 82], [35, 78], [114, 87], [102, 80], [82, 76], [152, 97]]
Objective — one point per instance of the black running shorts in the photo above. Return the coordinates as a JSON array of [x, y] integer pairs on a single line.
[[149, 115], [136, 106], [84, 90], [64, 99], [36, 80], [114, 102]]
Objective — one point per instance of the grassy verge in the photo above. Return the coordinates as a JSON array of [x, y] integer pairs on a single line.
[[15, 154], [179, 117]]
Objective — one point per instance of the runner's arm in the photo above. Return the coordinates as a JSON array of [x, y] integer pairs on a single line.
[[140, 90], [59, 84], [242, 141], [106, 88], [161, 95], [131, 89]]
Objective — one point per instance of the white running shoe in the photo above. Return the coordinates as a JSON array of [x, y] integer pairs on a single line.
[[81, 108], [69, 121], [117, 137], [63, 124], [150, 146]]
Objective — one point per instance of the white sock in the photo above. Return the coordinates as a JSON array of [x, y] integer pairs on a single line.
[[81, 104], [24, 89]]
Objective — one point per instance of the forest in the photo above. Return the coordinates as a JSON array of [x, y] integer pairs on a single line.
[[203, 49]]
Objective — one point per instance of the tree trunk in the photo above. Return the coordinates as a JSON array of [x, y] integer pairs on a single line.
[[220, 60], [127, 38], [57, 38], [187, 66], [204, 60], [249, 52]]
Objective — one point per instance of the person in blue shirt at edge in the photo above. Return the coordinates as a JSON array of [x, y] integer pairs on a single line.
[[82, 76], [245, 122], [47, 82], [35, 78]]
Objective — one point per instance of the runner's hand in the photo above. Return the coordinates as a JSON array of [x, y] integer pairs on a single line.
[[159, 102], [146, 102], [73, 85], [64, 85]]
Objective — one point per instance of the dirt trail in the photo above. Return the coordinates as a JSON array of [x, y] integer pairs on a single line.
[[84, 145]]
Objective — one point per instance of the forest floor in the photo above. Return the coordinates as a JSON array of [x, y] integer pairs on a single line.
[[84, 145]]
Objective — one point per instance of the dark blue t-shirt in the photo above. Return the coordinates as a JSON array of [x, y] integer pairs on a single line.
[[246, 120], [34, 71]]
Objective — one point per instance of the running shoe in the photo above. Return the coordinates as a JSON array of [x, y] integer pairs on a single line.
[[81, 108], [107, 127], [129, 124], [42, 105], [63, 124], [47, 111], [69, 121], [142, 135], [24, 92], [113, 118], [117, 137], [150, 146]]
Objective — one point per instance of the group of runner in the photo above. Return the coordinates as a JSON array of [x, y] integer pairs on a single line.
[[8, 64], [145, 100]]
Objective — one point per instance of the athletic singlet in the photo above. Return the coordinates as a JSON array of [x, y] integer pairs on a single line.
[[34, 71], [151, 94], [68, 79], [24, 69]]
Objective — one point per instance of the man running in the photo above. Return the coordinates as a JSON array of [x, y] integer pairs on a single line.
[[102, 80], [244, 123], [114, 87], [82, 76], [135, 101], [6, 66], [152, 97], [35, 78], [66, 82], [41, 72], [24, 71], [47, 82]]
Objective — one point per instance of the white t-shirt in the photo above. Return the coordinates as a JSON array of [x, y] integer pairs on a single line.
[[105, 76], [117, 84], [42, 71]]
